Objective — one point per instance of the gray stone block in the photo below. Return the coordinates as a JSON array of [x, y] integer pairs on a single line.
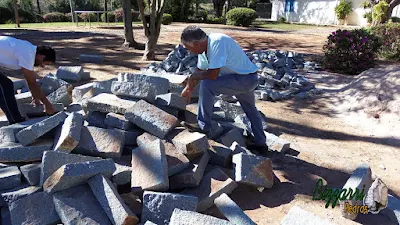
[[70, 134], [31, 173], [220, 154], [377, 196], [61, 95], [12, 195], [10, 177], [276, 144], [123, 171], [79, 205], [393, 209], [237, 149], [133, 90], [29, 110], [182, 217], [253, 170], [96, 119], [168, 110], [298, 216], [5, 216], [70, 73], [145, 139], [53, 160], [191, 176], [151, 168], [80, 91], [177, 162], [211, 187], [189, 143], [107, 103], [77, 108], [361, 177], [35, 131], [51, 83], [159, 84], [91, 58], [116, 209], [25, 97], [232, 136], [18, 153], [7, 133], [3, 121], [101, 142], [172, 100], [158, 207], [231, 110], [74, 174], [133, 202], [151, 119], [35, 209], [232, 211], [131, 136], [103, 86], [118, 121]]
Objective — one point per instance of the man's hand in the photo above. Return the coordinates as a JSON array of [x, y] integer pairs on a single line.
[[49, 109], [187, 93]]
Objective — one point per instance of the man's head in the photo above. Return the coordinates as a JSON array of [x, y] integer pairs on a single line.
[[194, 39], [45, 55]]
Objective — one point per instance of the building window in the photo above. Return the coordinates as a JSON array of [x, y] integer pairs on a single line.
[[289, 5]]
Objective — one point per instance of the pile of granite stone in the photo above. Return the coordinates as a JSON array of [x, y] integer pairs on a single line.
[[115, 153]]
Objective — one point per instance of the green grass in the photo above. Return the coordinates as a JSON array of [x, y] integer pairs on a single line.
[[60, 24], [283, 26]]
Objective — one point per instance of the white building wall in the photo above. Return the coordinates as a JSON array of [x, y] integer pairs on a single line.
[[396, 11]]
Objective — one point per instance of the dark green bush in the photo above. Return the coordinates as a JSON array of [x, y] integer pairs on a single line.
[[350, 51], [389, 37], [216, 20], [241, 16], [27, 17], [6, 15], [118, 15], [166, 19], [282, 20], [85, 17], [343, 9], [395, 19], [368, 16], [56, 17]]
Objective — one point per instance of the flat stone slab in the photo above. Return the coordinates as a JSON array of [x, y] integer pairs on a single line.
[[172, 100], [182, 217], [29, 110], [158, 207], [160, 85], [190, 143], [53, 160], [177, 162], [37, 208], [237, 149], [220, 154], [96, 119], [232, 211], [234, 135], [35, 131], [133, 90], [106, 143], [10, 177], [123, 172], [131, 136], [118, 121], [103, 86], [276, 144], [25, 97], [112, 203], [151, 119], [70, 134], [19, 153], [107, 103], [377, 196], [150, 168], [79, 204], [74, 174], [298, 216], [70, 73], [31, 173], [145, 139], [211, 187], [8, 133], [253, 170], [62, 95], [80, 91], [51, 83], [12, 195]]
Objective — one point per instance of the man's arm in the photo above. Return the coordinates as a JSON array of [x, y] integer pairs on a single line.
[[193, 80], [36, 91]]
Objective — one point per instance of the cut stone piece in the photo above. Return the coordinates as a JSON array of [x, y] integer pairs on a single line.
[[158, 207], [171, 100], [159, 84], [3, 121], [70, 134], [276, 144], [8, 133], [29, 110], [377, 196], [182, 217], [118, 121], [75, 174], [51, 83], [100, 142], [24, 97], [145, 139], [97, 119], [131, 136], [151, 119], [253, 170], [5, 216], [133, 90], [10, 177], [123, 172], [18, 153], [232, 211], [298, 216], [61, 95], [111, 202], [177, 162], [220, 154], [211, 187], [133, 202], [70, 73], [31, 173], [232, 136], [103, 86], [107, 103], [80, 91], [237, 149], [190, 143], [12, 195], [150, 168]]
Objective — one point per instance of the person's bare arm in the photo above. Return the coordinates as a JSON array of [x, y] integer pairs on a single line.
[[195, 78], [36, 91]]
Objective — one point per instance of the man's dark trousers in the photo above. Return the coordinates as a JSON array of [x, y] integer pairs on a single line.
[[7, 100]]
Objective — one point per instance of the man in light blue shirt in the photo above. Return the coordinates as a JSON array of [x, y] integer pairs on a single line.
[[222, 68]]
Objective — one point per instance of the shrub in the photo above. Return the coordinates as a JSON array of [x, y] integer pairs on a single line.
[[389, 37], [395, 19], [343, 9], [216, 20], [27, 17], [350, 52], [6, 15], [368, 16], [56, 17], [282, 20], [379, 11], [85, 17], [166, 19], [118, 15], [241, 16], [111, 17]]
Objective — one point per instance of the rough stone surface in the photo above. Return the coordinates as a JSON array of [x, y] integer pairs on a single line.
[[360, 177], [232, 136], [131, 136], [78, 204], [51, 83], [182, 217], [191, 176], [5, 216], [77, 108], [91, 58], [103, 86], [10, 177], [211, 187], [151, 119], [100, 142], [33, 132], [53, 160], [3, 121], [393, 209], [8, 133], [145, 139], [96, 119], [133, 90], [61, 95], [253, 170], [177, 162], [377, 196], [29, 110], [70, 73], [220, 154], [159, 84], [35, 209], [237, 149], [298, 216], [12, 195], [123, 172], [116, 209], [70, 134], [107, 103], [232, 211], [118, 121], [19, 153], [74, 174], [31, 173], [151, 168], [24, 97], [80, 91], [158, 207], [172, 100], [190, 143], [276, 144]]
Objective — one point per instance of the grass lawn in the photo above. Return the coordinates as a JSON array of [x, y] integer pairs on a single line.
[[61, 24], [282, 26]]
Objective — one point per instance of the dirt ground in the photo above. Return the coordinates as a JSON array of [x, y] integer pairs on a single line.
[[325, 142]]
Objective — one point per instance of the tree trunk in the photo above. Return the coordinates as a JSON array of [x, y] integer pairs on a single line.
[[74, 17], [392, 5], [105, 9], [197, 6], [38, 7], [229, 5], [16, 13], [128, 30], [218, 7]]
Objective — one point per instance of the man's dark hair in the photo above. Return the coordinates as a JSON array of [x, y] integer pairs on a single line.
[[192, 33], [48, 52]]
